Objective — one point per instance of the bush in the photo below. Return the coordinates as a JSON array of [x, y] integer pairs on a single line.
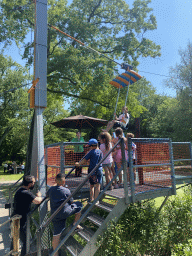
[[142, 230]]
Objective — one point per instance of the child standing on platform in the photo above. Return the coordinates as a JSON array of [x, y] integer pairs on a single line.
[[95, 155], [117, 155], [106, 145], [131, 135]]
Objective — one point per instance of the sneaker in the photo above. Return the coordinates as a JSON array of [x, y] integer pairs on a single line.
[[116, 186], [110, 188], [78, 228]]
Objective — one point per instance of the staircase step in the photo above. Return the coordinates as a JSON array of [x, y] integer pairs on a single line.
[[44, 252], [96, 219], [73, 246], [105, 206], [117, 193], [86, 233]]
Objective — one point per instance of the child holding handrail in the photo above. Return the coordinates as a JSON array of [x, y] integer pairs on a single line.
[[94, 155]]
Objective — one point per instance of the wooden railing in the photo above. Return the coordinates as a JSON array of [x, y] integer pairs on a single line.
[[15, 229]]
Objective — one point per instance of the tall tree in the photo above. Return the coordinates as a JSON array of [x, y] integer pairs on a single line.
[[181, 74], [13, 108], [182, 81], [108, 26]]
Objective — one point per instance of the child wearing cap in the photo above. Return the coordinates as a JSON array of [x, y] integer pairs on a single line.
[[95, 155]]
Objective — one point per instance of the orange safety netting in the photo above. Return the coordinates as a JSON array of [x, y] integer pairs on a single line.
[[153, 154]]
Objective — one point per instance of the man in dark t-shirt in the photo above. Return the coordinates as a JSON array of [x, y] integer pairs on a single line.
[[22, 203], [58, 194]]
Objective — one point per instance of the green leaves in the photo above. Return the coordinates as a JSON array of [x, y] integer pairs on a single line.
[[142, 230]]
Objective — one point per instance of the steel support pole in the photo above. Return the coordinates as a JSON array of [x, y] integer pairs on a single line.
[[116, 103], [190, 148], [131, 173], [39, 243], [28, 235], [172, 168], [40, 72], [61, 157], [124, 163]]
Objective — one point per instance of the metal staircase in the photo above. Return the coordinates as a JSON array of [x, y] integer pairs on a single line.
[[113, 212], [84, 242]]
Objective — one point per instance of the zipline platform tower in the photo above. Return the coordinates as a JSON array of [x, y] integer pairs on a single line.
[[38, 96]]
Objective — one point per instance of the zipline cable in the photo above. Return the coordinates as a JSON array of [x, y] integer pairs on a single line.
[[51, 26], [14, 89], [57, 29]]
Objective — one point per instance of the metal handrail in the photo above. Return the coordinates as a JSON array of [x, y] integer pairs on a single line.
[[77, 189], [85, 213]]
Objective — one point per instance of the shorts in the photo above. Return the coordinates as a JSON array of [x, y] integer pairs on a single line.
[[96, 178], [59, 225], [118, 124], [107, 165]]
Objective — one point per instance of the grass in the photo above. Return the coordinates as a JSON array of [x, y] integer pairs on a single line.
[[8, 177], [159, 200]]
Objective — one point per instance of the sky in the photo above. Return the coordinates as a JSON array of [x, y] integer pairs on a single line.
[[174, 31]]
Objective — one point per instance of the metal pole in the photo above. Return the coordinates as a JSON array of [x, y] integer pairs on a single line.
[[28, 235], [127, 94], [39, 243], [40, 100], [11, 202], [64, 157], [131, 174], [190, 149], [172, 168], [116, 103], [61, 157], [124, 162]]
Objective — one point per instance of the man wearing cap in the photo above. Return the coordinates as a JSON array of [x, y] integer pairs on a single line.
[[95, 155]]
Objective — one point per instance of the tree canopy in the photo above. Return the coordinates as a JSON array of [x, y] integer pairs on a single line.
[[110, 27], [82, 76]]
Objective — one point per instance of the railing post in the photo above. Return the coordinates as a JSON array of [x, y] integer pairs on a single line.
[[124, 163], [15, 234], [64, 157], [11, 202], [61, 157], [190, 149], [172, 168], [131, 173], [39, 243], [28, 233]]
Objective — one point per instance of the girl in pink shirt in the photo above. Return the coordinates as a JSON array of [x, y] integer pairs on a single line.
[[105, 146]]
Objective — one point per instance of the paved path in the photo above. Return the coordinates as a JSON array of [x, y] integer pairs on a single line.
[[5, 239]]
